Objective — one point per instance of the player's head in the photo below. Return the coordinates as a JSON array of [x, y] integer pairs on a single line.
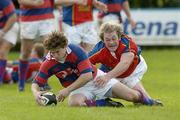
[[55, 40], [56, 43], [109, 27], [110, 33], [38, 50]]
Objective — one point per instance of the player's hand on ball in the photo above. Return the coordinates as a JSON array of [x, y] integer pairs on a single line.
[[62, 94], [38, 97]]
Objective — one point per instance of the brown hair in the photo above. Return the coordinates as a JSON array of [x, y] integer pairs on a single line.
[[39, 49], [55, 40], [109, 27]]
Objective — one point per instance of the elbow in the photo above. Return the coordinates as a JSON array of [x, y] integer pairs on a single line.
[[13, 18], [89, 76]]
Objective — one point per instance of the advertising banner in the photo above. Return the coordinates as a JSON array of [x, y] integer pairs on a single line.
[[155, 26]]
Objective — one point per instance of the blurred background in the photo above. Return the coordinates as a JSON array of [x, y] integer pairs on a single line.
[[157, 22]]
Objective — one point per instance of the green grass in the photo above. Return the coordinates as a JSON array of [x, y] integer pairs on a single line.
[[162, 81]]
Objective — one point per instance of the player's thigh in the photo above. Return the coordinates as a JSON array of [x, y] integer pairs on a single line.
[[121, 91], [25, 51], [78, 96], [105, 91], [77, 100], [5, 47]]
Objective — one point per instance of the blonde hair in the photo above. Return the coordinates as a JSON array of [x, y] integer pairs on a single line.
[[109, 27]]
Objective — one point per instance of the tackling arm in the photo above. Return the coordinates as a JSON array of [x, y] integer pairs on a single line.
[[82, 80], [122, 66], [99, 5]]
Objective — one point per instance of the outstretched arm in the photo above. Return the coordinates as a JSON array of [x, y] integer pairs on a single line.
[[99, 5], [82, 80], [36, 92], [126, 9], [121, 67]]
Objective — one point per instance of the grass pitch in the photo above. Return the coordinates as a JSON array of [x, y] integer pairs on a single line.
[[162, 81]]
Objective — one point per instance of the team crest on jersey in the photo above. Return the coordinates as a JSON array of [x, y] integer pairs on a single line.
[[84, 8], [68, 71]]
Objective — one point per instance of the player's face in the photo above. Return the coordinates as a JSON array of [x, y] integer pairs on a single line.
[[59, 54], [111, 41]]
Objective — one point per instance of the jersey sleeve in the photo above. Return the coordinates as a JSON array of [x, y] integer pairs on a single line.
[[8, 8], [130, 45], [96, 48], [43, 74], [96, 58]]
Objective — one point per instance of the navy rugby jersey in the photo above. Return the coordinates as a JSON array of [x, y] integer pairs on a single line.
[[76, 63]]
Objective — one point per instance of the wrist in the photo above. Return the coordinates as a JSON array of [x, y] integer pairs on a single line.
[[2, 33], [36, 93], [69, 89], [108, 77]]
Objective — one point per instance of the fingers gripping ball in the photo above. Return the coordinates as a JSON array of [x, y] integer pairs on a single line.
[[48, 98]]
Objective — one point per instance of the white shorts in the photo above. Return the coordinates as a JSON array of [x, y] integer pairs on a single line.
[[12, 35], [110, 17], [84, 32], [91, 91], [137, 75], [35, 29]]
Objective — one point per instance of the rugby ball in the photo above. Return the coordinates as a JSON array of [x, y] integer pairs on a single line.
[[48, 98]]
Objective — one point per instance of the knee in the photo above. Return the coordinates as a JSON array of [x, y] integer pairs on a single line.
[[2, 54], [75, 103], [132, 96], [25, 54]]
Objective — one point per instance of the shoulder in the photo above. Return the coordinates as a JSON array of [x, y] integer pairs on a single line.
[[48, 64], [77, 52], [126, 40], [97, 48], [76, 49]]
